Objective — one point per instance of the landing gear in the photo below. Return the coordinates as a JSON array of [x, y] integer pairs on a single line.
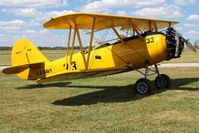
[[143, 85], [162, 81]]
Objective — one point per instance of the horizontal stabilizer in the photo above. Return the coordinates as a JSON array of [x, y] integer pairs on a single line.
[[20, 68], [15, 69]]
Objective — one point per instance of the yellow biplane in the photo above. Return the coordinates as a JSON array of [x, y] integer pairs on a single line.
[[143, 47]]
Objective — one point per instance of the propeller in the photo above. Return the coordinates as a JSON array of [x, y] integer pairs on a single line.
[[180, 41], [189, 45], [186, 41]]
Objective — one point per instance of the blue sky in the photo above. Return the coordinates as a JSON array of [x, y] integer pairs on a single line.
[[25, 18]]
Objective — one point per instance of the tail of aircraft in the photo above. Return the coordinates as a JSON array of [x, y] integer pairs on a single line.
[[27, 60]]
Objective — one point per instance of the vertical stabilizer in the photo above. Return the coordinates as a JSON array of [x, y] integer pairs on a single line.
[[27, 60]]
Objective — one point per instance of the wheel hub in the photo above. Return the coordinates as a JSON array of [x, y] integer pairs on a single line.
[[142, 87]]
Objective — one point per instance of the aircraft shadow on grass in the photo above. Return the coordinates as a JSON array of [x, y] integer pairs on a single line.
[[36, 86], [112, 94]]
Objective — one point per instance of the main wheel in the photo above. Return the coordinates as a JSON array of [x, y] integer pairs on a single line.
[[162, 81], [143, 86]]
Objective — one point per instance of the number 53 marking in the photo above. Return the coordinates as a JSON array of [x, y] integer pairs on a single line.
[[150, 40]]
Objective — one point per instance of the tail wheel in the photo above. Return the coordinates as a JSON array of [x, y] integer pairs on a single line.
[[143, 86], [162, 81]]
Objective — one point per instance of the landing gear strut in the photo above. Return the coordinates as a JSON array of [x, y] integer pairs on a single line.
[[143, 85]]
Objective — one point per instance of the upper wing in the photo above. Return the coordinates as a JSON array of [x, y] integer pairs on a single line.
[[85, 21]]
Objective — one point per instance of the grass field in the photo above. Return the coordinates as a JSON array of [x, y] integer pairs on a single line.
[[5, 58], [106, 104]]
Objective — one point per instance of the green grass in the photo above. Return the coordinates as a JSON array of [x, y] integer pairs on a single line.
[[187, 56], [106, 104], [5, 58]]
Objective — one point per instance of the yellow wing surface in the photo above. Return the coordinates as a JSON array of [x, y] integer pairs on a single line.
[[85, 20]]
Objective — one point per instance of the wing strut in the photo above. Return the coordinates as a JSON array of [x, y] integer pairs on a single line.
[[150, 26], [72, 49], [76, 35], [135, 29], [68, 45], [91, 42], [156, 28], [80, 45], [118, 35]]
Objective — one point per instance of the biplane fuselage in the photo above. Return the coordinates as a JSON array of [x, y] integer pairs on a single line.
[[107, 59]]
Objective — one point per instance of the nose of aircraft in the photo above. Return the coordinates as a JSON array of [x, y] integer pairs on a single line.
[[175, 43]]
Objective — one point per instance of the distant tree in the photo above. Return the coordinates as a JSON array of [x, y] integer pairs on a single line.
[[5, 48]]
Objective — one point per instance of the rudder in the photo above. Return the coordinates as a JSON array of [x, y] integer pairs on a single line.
[[25, 53]]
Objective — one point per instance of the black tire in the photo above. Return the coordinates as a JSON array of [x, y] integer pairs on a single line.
[[162, 81], [143, 86]]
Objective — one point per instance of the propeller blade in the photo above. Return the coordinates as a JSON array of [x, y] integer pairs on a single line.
[[186, 41], [189, 45]]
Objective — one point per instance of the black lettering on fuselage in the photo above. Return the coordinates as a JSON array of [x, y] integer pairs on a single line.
[[73, 64], [44, 72]]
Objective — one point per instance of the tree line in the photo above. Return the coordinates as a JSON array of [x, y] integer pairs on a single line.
[[41, 48]]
